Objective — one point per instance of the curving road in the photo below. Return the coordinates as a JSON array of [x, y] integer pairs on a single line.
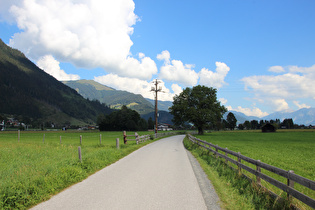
[[161, 175]]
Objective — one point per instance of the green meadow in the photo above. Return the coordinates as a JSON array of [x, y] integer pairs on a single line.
[[38, 166], [286, 149]]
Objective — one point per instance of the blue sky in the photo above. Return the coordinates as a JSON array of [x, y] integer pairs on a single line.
[[259, 54]]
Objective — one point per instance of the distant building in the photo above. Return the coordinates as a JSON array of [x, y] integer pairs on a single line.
[[268, 128], [164, 127]]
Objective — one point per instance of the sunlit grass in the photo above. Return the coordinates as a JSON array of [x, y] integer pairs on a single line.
[[39, 166], [289, 150]]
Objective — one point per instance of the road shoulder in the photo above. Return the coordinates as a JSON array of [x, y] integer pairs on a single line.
[[210, 196]]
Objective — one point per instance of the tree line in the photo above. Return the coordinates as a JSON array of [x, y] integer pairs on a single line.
[[254, 124], [231, 121], [124, 119]]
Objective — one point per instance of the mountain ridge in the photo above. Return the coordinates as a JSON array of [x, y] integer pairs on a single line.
[[114, 98]]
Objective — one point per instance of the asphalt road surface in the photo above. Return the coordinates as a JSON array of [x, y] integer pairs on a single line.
[[161, 175]]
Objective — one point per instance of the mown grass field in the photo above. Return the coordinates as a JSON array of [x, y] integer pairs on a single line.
[[286, 149], [32, 170]]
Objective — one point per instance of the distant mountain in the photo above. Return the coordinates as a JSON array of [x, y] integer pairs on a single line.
[[164, 117], [114, 98], [162, 105], [29, 93], [241, 117], [305, 116]]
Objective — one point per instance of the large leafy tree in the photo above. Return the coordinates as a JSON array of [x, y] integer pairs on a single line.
[[197, 105]]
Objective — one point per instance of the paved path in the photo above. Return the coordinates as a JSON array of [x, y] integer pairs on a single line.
[[157, 176]]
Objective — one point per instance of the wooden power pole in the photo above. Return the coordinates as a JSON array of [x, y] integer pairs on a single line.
[[156, 89]]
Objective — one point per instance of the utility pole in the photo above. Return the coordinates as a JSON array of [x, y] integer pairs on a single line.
[[156, 89]]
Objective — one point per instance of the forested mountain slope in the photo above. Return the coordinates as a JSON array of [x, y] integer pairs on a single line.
[[30, 93], [114, 98]]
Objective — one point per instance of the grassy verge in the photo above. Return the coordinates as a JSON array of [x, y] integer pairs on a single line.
[[238, 193], [286, 149], [38, 167]]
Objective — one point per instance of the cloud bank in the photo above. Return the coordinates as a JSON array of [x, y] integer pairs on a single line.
[[97, 34], [280, 90], [86, 33]]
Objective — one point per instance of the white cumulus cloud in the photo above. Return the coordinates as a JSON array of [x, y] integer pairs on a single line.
[[51, 66], [280, 104], [276, 69], [177, 89], [214, 79], [176, 71], [86, 33], [248, 111], [223, 100], [300, 106]]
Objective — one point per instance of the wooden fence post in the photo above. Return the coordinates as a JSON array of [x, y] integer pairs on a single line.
[[80, 139], [258, 169], [60, 139], [125, 137], [239, 162], [226, 155], [137, 138], [290, 183], [117, 143], [216, 149], [19, 136], [80, 155]]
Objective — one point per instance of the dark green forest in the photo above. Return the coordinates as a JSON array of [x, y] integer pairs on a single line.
[[123, 119]]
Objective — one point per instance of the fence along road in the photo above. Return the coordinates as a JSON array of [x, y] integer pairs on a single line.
[[157, 176]]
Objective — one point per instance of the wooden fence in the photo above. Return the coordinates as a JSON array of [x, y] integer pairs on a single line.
[[289, 175], [136, 138]]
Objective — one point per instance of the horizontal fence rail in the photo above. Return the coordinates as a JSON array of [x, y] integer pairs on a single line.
[[289, 175], [136, 138]]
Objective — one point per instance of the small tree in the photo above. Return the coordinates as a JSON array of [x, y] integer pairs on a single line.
[[254, 124], [288, 123], [241, 127], [247, 125], [197, 105], [231, 121]]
